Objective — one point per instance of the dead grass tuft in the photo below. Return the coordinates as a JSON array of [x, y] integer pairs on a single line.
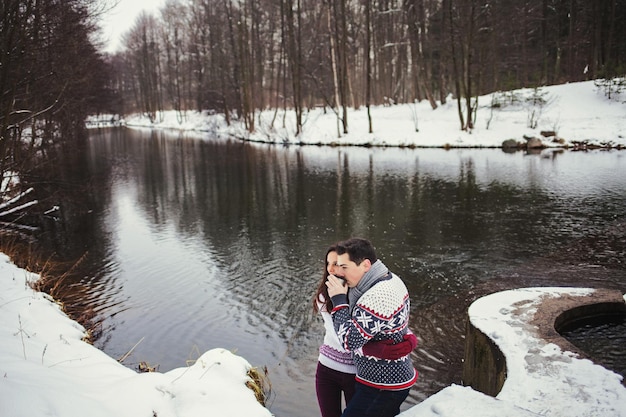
[[145, 367], [260, 384]]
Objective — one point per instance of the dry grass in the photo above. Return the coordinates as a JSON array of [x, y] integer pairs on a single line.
[[260, 384], [56, 279], [146, 367]]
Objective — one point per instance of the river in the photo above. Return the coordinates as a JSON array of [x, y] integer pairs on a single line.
[[194, 243]]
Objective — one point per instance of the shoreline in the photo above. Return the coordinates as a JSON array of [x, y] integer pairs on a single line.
[[573, 116], [574, 147]]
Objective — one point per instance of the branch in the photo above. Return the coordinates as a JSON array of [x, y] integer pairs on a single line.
[[17, 208], [14, 199], [47, 109]]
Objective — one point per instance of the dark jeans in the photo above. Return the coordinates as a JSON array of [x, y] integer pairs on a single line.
[[329, 384], [373, 402]]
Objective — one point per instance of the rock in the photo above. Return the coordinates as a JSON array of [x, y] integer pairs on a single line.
[[534, 143], [548, 133], [510, 143]]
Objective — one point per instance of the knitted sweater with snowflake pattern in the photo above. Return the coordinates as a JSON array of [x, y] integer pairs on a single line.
[[381, 313]]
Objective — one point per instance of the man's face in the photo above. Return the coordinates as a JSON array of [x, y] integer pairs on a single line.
[[350, 271]]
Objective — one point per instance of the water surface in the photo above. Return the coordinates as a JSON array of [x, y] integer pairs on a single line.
[[196, 243]]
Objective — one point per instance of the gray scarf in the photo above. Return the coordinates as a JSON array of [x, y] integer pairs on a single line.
[[377, 271]]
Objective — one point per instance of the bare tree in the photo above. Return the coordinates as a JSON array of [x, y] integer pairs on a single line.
[[339, 31], [462, 15], [415, 11], [368, 63], [173, 36], [294, 55], [143, 53]]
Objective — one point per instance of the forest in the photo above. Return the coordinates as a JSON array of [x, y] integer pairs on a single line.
[[52, 75], [236, 57]]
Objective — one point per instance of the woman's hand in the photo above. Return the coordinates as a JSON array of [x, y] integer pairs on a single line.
[[336, 286]]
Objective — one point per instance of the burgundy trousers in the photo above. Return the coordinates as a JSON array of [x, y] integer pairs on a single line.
[[329, 385]]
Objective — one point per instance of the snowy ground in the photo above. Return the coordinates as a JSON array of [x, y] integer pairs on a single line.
[[576, 112]]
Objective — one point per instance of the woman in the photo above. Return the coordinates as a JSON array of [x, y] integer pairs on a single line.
[[335, 368]]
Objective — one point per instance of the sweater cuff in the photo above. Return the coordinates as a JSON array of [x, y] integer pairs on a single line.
[[339, 299]]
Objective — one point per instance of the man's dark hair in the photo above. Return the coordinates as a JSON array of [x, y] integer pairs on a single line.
[[358, 249]]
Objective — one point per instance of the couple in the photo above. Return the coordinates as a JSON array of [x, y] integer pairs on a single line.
[[367, 342]]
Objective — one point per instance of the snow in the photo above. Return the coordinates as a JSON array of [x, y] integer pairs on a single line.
[[47, 369], [577, 112]]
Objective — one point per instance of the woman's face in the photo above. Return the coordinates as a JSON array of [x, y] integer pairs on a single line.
[[331, 262]]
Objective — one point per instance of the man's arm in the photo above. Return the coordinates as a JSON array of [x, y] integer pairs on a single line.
[[346, 325]]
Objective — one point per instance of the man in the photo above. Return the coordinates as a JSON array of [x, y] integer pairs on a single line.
[[373, 304]]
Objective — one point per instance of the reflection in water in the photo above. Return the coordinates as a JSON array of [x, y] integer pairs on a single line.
[[201, 243]]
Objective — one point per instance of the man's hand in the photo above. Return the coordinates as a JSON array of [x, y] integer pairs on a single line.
[[336, 286]]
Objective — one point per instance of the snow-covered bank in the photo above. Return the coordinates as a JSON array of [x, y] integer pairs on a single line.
[[48, 370], [578, 113], [542, 379]]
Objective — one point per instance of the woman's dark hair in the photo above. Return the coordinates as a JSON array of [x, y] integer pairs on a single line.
[[321, 294]]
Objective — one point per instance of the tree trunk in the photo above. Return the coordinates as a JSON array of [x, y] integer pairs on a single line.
[[333, 64], [295, 62], [368, 64]]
